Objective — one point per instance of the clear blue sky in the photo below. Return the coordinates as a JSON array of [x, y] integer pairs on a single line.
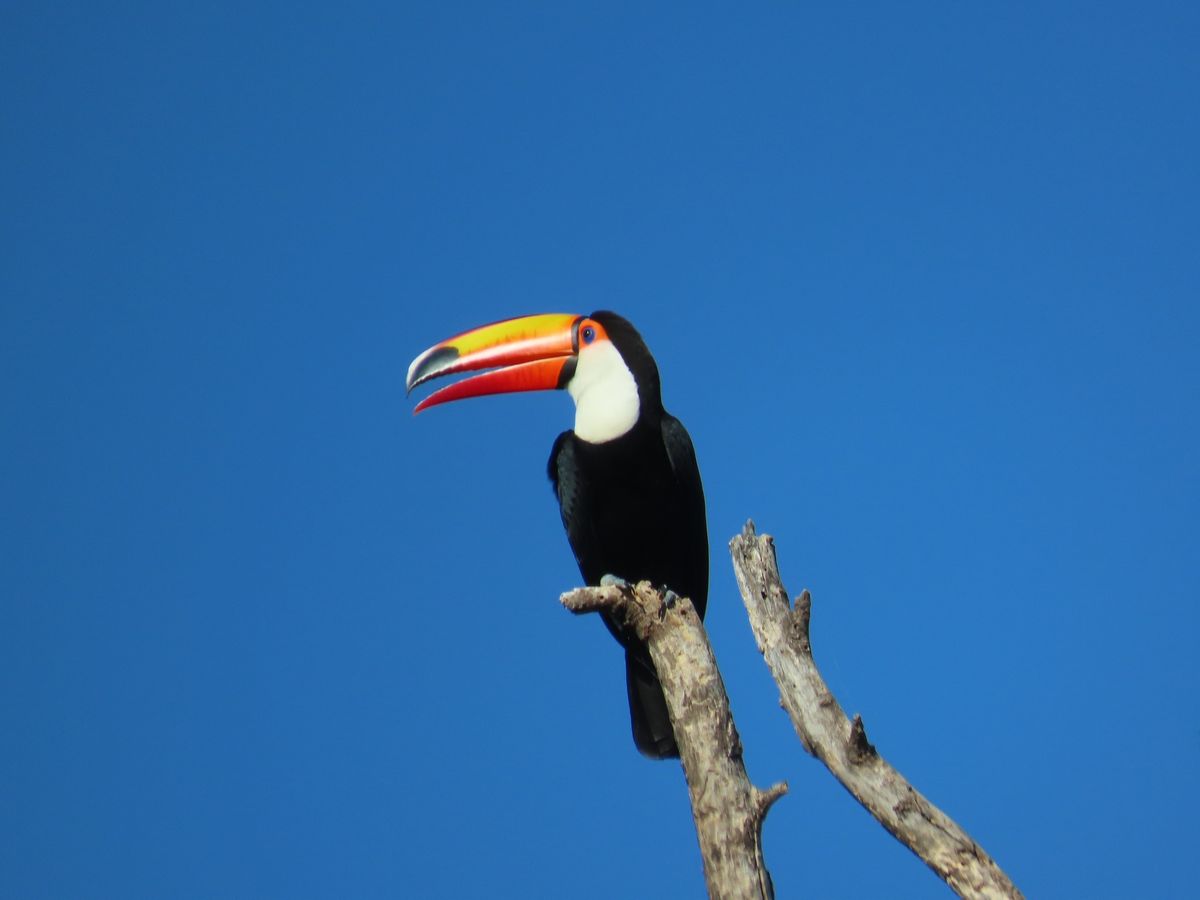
[[923, 283]]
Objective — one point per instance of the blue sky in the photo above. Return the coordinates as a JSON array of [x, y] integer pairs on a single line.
[[922, 283]]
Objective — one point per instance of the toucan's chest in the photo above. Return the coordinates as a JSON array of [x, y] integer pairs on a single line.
[[633, 471], [621, 521]]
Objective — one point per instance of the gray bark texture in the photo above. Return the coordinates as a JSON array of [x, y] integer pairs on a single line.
[[783, 638], [728, 809]]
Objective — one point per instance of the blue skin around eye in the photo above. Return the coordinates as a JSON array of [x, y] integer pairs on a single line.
[[589, 335]]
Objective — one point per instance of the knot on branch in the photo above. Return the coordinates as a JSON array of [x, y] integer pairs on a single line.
[[764, 800], [800, 620], [860, 749]]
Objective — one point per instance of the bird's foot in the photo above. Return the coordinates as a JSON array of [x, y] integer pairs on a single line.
[[670, 598]]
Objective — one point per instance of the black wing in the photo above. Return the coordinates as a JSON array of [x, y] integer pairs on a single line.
[[691, 515], [567, 479]]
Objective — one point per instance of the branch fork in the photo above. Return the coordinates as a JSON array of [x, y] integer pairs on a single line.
[[728, 809]]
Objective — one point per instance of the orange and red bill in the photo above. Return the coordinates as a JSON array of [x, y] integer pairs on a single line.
[[529, 353]]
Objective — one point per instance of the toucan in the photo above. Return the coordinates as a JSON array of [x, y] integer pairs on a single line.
[[625, 476]]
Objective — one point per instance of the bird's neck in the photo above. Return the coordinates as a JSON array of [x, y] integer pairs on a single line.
[[605, 408]]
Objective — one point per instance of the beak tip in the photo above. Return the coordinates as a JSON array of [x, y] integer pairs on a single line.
[[433, 362], [410, 380]]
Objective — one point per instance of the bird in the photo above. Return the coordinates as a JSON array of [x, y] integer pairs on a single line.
[[625, 475]]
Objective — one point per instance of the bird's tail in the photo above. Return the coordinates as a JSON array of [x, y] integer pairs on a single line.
[[648, 708]]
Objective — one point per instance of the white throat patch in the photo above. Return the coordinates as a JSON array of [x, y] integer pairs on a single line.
[[605, 394]]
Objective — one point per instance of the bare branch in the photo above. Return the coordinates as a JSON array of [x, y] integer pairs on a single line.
[[825, 732], [728, 809]]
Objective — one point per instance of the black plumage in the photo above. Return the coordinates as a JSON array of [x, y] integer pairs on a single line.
[[633, 507]]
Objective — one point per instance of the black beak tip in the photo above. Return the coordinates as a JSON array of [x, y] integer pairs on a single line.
[[428, 365]]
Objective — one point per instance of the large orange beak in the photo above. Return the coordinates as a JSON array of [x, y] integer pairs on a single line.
[[531, 353]]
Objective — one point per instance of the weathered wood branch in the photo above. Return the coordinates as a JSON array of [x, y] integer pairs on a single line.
[[825, 732], [728, 809]]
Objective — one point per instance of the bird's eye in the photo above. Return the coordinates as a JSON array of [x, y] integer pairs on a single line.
[[589, 334]]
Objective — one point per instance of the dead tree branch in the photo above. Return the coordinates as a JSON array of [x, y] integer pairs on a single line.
[[842, 745], [728, 809]]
